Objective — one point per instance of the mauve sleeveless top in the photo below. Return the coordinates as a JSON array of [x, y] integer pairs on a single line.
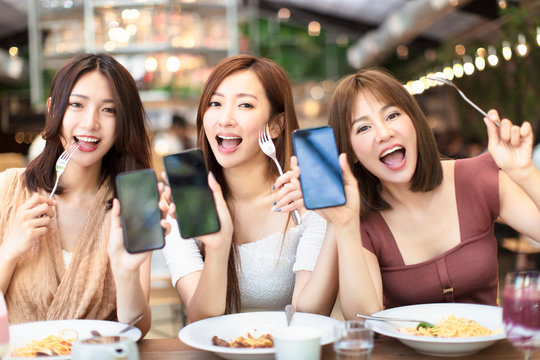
[[466, 273]]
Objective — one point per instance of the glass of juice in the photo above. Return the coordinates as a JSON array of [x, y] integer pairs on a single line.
[[521, 310], [4, 327]]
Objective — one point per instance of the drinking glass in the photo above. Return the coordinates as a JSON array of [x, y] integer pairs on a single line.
[[353, 341], [4, 327], [521, 310]]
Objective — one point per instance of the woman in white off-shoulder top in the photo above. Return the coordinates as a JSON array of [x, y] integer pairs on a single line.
[[259, 259]]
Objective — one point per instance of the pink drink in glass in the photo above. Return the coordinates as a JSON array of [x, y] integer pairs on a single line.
[[521, 317], [4, 327]]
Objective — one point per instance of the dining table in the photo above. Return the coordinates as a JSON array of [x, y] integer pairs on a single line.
[[385, 348]]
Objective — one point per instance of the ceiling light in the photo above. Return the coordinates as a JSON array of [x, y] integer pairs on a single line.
[[13, 51], [314, 28], [460, 49], [284, 14]]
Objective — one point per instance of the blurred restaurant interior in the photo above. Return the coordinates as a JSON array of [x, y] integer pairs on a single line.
[[489, 48]]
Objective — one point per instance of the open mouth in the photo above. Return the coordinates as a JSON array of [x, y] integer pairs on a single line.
[[228, 142], [86, 141], [393, 157]]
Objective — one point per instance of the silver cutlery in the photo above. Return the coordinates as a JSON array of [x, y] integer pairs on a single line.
[[448, 82], [131, 324], [61, 164], [289, 313], [389, 319], [267, 146]]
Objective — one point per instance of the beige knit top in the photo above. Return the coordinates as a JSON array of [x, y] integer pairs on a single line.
[[41, 287]]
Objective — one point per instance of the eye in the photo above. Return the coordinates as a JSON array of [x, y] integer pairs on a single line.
[[361, 129], [110, 110], [393, 115], [213, 104], [75, 104], [246, 105]]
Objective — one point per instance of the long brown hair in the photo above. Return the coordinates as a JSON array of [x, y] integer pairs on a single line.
[[278, 91], [131, 150], [387, 89]]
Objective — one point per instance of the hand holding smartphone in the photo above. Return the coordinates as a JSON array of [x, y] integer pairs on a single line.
[[139, 197], [320, 174], [195, 206]]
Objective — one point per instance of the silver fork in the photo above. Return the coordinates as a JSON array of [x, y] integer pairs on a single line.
[[267, 146], [448, 82], [61, 164]]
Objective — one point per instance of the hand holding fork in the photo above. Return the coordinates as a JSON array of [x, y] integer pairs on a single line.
[[267, 146]]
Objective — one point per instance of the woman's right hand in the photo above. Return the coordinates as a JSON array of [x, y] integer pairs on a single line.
[[30, 224], [220, 240], [350, 211]]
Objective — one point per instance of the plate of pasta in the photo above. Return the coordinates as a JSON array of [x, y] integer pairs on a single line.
[[460, 329], [54, 338]]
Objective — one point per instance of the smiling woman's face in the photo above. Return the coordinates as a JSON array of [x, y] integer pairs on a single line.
[[237, 110], [90, 119], [383, 138]]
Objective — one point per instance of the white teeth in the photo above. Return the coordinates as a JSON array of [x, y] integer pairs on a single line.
[[229, 137], [391, 150], [87, 139]]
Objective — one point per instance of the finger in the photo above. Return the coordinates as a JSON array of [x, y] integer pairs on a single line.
[[493, 133], [164, 177], [217, 193], [506, 130], [32, 202], [289, 204], [283, 180], [348, 177], [166, 226], [526, 129], [515, 136], [116, 221]]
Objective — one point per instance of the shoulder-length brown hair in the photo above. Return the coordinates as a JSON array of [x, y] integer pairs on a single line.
[[131, 150], [278, 91], [387, 89]]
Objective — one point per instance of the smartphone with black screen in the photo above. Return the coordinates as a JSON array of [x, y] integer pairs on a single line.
[[320, 174], [195, 206], [139, 198]]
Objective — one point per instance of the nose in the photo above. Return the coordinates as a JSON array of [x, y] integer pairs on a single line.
[[90, 119], [226, 117], [383, 132]]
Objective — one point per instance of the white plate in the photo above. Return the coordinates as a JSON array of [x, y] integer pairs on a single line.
[[21, 334], [487, 316], [228, 327]]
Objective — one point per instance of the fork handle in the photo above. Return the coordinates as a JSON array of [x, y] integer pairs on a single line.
[[296, 217]]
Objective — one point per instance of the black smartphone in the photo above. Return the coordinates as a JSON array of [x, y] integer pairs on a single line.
[[139, 198], [320, 174], [195, 206]]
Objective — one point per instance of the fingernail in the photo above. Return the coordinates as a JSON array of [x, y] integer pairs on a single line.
[[274, 203], [274, 187], [273, 207], [211, 174], [278, 210]]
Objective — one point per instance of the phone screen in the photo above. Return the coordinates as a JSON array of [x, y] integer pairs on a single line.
[[195, 207], [139, 198], [320, 174]]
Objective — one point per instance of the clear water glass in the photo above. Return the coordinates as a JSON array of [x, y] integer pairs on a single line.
[[521, 310], [354, 341], [4, 327]]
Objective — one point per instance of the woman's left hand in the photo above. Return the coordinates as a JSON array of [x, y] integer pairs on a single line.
[[289, 195], [120, 259], [511, 145]]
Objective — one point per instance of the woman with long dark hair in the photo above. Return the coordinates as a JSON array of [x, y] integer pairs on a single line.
[[64, 258]]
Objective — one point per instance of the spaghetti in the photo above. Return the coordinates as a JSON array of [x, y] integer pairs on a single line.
[[51, 345], [451, 327]]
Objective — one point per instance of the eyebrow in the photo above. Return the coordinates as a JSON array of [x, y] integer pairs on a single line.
[[87, 97], [364, 117], [238, 95]]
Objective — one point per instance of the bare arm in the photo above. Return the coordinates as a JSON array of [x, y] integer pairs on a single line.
[[31, 222], [204, 293], [519, 180], [360, 285]]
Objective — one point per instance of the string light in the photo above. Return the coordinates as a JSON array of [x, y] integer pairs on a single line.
[[458, 69], [468, 66], [493, 60], [521, 48], [506, 51], [448, 73], [480, 63], [538, 35]]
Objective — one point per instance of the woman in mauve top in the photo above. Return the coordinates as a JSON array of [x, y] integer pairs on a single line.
[[416, 229]]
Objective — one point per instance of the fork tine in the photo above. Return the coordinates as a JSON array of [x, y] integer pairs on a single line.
[[69, 151]]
